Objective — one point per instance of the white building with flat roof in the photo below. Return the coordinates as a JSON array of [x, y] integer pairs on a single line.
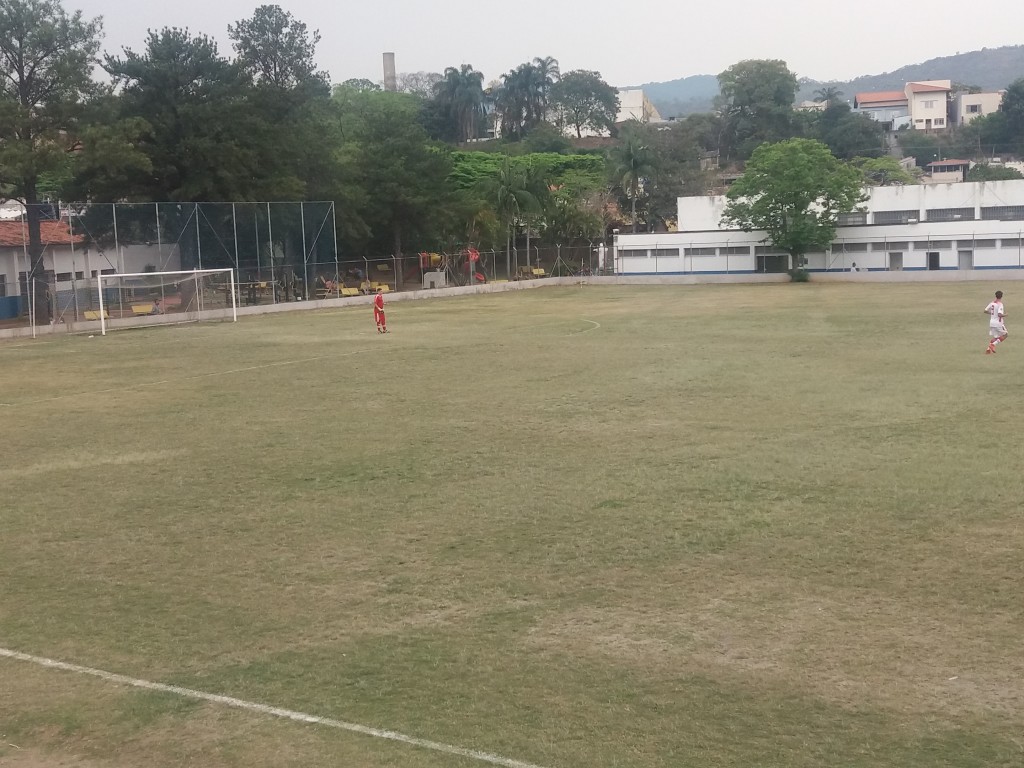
[[975, 225]]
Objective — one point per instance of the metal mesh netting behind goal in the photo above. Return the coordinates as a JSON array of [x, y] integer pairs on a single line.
[[155, 298]]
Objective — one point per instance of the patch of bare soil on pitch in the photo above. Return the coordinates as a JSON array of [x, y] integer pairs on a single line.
[[844, 646]]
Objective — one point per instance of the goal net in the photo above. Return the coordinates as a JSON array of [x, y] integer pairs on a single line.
[[156, 298]]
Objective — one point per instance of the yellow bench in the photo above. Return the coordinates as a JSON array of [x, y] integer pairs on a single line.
[[538, 272], [142, 309], [93, 314], [349, 291], [382, 287]]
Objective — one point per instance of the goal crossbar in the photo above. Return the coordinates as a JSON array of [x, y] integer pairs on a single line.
[[161, 278]]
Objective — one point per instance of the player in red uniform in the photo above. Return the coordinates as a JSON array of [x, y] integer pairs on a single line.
[[378, 312]]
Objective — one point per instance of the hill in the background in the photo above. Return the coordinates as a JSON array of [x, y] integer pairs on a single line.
[[990, 68], [684, 96]]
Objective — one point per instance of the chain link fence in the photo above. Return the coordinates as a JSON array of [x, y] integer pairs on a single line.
[[281, 252]]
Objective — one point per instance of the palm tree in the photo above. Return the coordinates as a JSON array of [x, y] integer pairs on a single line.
[[520, 101], [829, 94], [548, 73], [634, 166], [462, 92], [537, 183], [511, 199]]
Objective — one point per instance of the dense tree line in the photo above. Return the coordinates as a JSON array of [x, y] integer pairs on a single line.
[[447, 161]]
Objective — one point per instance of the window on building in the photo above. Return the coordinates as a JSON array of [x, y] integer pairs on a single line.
[[736, 250], [849, 247], [766, 250], [79, 275], [63, 277], [897, 245], [661, 253], [973, 109], [949, 214], [700, 251], [928, 104], [108, 272], [968, 244], [855, 219], [894, 217], [3, 285], [940, 121], [1010, 243], [919, 120], [931, 245], [1003, 213]]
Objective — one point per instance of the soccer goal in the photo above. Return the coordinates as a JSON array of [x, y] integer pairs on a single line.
[[157, 298]]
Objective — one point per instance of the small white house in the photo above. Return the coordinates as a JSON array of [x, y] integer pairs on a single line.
[[69, 260], [977, 225]]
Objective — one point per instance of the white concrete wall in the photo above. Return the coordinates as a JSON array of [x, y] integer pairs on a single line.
[[869, 246]]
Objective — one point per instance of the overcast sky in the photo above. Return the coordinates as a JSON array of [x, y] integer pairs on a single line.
[[628, 42]]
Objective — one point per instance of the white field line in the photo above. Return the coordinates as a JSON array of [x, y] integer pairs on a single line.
[[594, 325], [263, 709], [129, 387]]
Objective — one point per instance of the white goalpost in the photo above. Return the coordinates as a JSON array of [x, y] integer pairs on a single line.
[[159, 298]]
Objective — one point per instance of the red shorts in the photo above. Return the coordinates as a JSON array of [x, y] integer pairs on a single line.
[[378, 316]]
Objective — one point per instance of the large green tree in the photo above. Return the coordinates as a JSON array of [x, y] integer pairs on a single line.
[[46, 62], [986, 172], [205, 142], [794, 191], [274, 48], [923, 147], [584, 101], [846, 133], [402, 175], [883, 171], [757, 104]]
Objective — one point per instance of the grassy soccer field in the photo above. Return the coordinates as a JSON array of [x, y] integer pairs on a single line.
[[666, 526]]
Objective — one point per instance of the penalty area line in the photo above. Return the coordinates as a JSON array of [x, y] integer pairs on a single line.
[[264, 709]]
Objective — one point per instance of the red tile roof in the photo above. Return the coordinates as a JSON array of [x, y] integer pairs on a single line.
[[13, 234], [922, 88], [878, 96]]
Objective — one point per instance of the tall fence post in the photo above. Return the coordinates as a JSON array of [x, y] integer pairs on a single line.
[[305, 256], [270, 244], [199, 241]]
